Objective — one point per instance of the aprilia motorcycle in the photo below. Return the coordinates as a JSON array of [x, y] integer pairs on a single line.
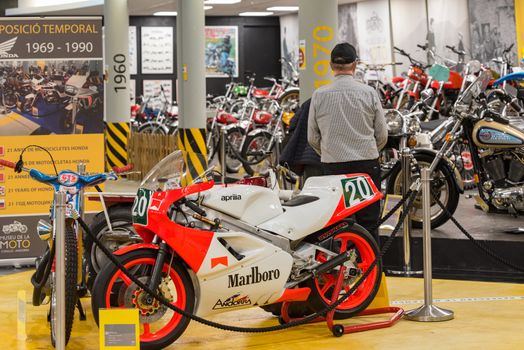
[[209, 249]]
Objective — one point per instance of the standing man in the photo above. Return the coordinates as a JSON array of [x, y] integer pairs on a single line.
[[347, 127]]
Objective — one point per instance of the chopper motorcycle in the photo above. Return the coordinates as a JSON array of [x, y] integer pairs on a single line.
[[212, 248], [496, 145]]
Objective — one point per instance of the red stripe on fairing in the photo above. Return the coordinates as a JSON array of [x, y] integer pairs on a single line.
[[341, 212]]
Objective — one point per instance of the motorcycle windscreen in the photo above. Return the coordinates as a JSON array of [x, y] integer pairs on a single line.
[[176, 170]]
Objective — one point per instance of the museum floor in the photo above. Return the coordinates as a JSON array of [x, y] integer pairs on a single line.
[[487, 316]]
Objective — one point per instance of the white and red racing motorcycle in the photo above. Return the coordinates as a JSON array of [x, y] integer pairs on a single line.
[[212, 248]]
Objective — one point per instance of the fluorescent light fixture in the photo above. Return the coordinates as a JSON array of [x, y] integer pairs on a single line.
[[255, 14], [207, 8], [283, 8], [165, 13], [221, 2]]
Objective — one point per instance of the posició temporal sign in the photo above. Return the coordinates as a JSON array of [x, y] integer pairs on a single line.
[[52, 38]]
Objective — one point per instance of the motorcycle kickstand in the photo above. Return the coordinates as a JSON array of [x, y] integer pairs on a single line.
[[81, 311]]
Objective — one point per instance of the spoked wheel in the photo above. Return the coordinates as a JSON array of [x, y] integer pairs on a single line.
[[71, 297], [159, 325], [442, 183], [258, 151], [233, 147], [153, 128], [364, 251], [123, 234]]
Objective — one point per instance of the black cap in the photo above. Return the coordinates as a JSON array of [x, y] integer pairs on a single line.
[[343, 53]]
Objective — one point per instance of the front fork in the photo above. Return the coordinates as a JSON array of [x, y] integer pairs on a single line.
[[156, 275]]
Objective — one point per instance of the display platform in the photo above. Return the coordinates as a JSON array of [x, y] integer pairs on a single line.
[[485, 313], [456, 257]]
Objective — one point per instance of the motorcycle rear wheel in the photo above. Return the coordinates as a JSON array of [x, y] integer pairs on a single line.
[[162, 326], [366, 251]]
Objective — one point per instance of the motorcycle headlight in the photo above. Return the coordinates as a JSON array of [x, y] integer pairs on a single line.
[[393, 121], [427, 94]]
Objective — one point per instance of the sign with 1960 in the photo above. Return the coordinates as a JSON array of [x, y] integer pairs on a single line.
[[50, 38]]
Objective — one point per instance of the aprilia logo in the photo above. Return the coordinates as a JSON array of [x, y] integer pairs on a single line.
[[235, 300], [254, 277], [233, 197], [6, 46]]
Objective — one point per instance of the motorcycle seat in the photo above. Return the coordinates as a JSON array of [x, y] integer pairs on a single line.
[[431, 125], [299, 200]]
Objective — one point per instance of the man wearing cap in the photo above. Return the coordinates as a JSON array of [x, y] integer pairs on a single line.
[[346, 126]]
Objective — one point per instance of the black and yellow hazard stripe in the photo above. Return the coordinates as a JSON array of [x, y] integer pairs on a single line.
[[193, 142], [117, 135]]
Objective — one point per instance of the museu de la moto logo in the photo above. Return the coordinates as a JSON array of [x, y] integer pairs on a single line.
[[7, 46], [233, 301], [15, 227], [238, 280]]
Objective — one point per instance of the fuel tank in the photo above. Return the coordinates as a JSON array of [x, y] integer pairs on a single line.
[[251, 204], [491, 134]]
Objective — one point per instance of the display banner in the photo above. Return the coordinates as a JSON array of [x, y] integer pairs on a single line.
[[374, 39], [221, 51], [492, 28], [51, 96]]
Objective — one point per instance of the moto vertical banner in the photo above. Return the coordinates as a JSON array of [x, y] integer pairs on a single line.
[[52, 95]]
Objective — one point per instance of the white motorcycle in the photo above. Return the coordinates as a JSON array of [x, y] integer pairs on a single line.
[[212, 248]]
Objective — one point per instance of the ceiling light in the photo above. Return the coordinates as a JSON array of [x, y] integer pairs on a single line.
[[221, 2], [207, 8], [283, 8], [257, 14], [165, 13]]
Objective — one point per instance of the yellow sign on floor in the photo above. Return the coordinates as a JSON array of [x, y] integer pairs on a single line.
[[119, 329]]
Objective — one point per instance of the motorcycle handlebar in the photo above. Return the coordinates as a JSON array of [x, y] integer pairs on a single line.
[[7, 163], [195, 208], [423, 47], [508, 49], [123, 169]]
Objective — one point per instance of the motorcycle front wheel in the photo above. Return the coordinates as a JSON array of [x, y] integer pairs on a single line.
[[159, 325], [442, 183], [71, 296], [259, 153], [234, 138], [364, 252], [153, 128]]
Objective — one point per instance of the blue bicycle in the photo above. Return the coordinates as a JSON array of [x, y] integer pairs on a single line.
[[44, 278]]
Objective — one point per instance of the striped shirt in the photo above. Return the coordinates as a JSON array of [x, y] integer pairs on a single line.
[[346, 121]]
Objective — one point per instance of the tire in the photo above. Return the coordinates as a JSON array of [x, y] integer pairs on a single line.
[[289, 101], [367, 251], [254, 150], [234, 136], [67, 120], [10, 100], [122, 223], [442, 176], [109, 291], [153, 128], [71, 297]]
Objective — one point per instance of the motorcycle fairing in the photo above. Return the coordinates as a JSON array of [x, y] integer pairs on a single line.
[[333, 205], [190, 244]]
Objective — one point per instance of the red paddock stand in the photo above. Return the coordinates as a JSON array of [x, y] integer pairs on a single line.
[[339, 330]]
